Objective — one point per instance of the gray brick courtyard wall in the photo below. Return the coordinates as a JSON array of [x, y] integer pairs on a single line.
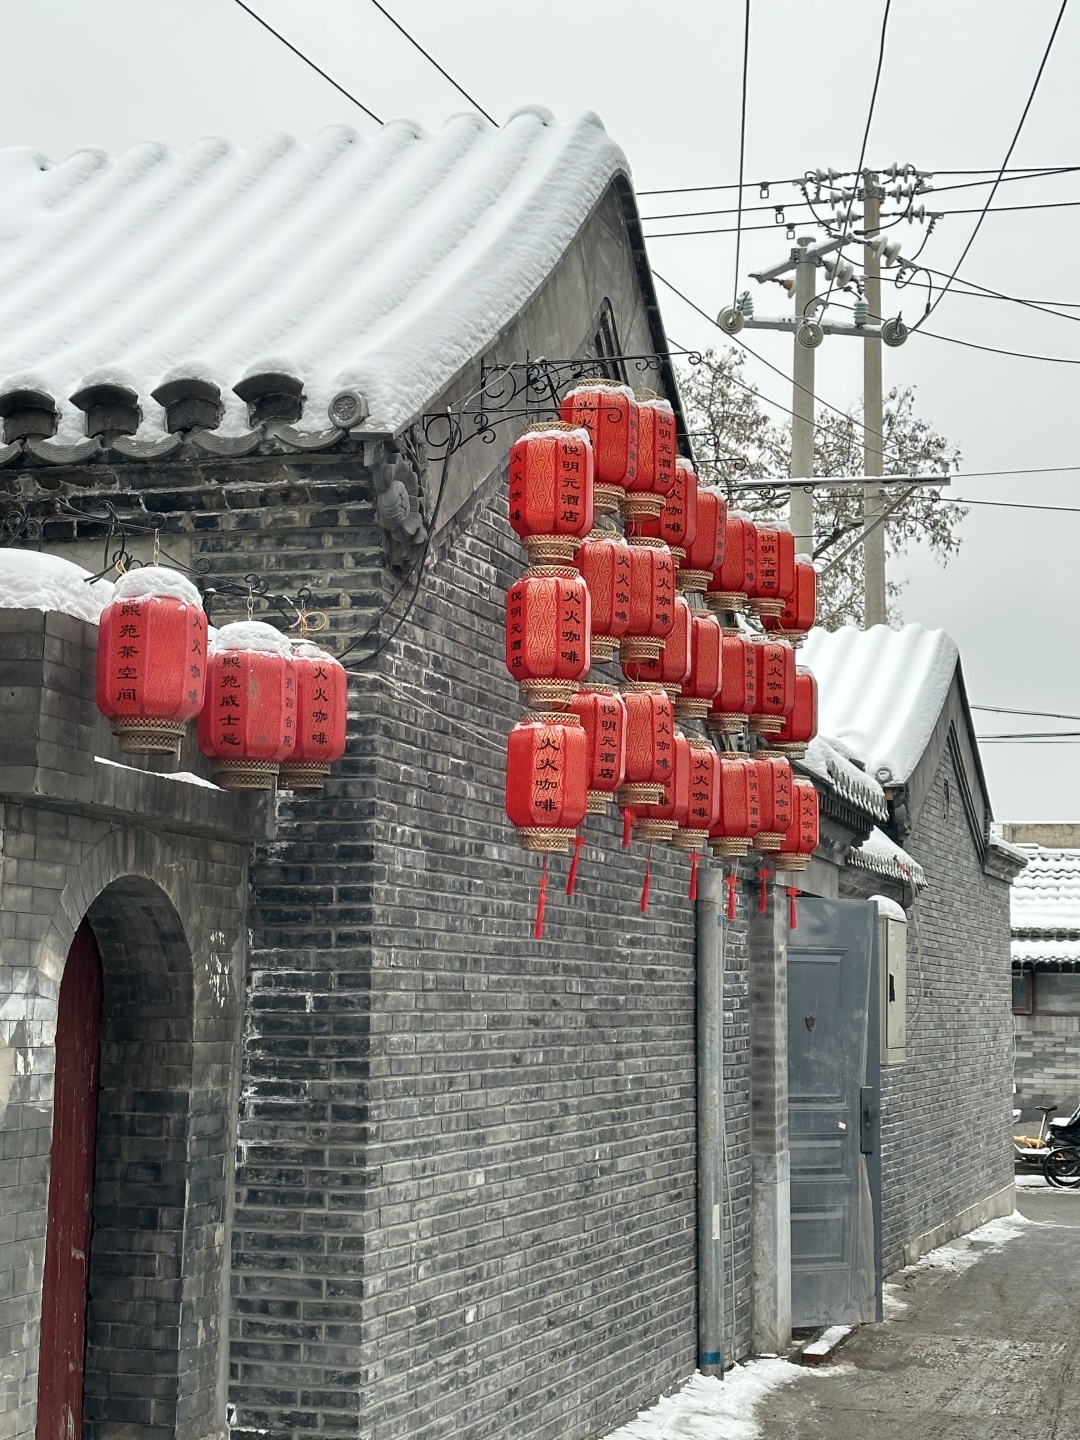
[[1046, 1063]]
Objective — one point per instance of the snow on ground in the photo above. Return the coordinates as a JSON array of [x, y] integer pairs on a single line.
[[709, 1409], [960, 1254]]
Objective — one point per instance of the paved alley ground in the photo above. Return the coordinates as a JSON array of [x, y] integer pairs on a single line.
[[981, 1351]]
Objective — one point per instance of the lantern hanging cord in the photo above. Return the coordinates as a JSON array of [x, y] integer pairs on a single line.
[[423, 705]]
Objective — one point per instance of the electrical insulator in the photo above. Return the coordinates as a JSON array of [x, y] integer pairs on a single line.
[[862, 312]]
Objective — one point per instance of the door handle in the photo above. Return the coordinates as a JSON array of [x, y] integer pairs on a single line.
[[869, 1111]]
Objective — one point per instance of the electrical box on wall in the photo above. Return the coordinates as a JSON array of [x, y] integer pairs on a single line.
[[892, 976]]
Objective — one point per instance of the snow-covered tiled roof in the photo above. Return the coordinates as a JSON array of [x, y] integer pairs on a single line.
[[824, 761], [1058, 951], [380, 265], [880, 692], [1045, 896], [883, 856]]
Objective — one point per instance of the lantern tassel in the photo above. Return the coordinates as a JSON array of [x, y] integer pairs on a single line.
[[626, 823], [763, 893], [692, 893], [541, 903], [571, 879], [793, 914], [732, 881], [647, 882]]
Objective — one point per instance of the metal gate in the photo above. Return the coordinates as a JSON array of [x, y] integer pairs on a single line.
[[832, 1112], [71, 1186]]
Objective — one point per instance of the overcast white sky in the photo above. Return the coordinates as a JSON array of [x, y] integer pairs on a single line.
[[666, 80]]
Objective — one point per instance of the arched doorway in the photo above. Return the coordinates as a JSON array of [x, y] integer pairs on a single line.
[[71, 1184]]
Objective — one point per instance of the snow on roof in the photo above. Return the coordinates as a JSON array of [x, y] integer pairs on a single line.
[[1045, 896], [880, 692], [826, 762], [884, 857], [32, 581], [1046, 952], [378, 264]]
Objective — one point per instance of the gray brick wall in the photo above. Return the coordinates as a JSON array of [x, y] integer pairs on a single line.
[[1046, 1064]]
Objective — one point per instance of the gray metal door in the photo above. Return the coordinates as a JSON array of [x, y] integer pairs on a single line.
[[831, 1114]]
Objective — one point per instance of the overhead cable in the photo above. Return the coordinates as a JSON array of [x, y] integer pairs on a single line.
[[429, 57], [308, 61], [742, 147]]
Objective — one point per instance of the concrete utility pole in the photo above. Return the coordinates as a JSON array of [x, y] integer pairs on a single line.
[[875, 605], [801, 503]]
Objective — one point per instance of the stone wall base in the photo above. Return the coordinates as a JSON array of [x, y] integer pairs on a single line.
[[1002, 1202]]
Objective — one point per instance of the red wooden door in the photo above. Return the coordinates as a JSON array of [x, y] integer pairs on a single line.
[[71, 1190]]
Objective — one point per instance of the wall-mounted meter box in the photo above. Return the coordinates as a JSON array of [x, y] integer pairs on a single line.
[[892, 978]]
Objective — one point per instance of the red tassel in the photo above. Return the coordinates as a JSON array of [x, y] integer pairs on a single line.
[[763, 894], [571, 879], [541, 903], [693, 876], [792, 914], [647, 882], [626, 819], [731, 881]]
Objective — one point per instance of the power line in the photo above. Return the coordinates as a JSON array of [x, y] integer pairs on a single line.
[[984, 292], [1007, 504], [1033, 735], [1021, 172], [1004, 163], [318, 70], [996, 349], [742, 145], [1038, 714], [427, 56]]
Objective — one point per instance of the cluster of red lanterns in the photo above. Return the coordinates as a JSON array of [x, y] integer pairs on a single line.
[[662, 595], [268, 708]]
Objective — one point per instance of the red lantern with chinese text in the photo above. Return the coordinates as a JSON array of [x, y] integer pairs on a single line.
[[774, 578], [734, 577], [547, 765], [702, 685], [775, 698], [662, 820], [247, 724], [650, 743], [738, 685], [151, 659], [551, 491], [801, 840], [799, 615], [322, 704], [676, 524], [652, 600], [703, 807], [609, 412], [739, 819], [775, 799], [605, 564], [800, 727], [602, 713], [673, 665], [548, 620], [706, 550], [645, 494]]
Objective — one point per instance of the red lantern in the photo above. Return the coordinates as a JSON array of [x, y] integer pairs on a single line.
[[662, 820], [655, 476], [650, 743], [774, 580], [799, 614], [603, 717], [652, 600], [738, 685], [705, 552], [548, 619], [703, 809], [673, 665], [605, 564], [775, 698], [551, 491], [676, 524], [739, 818], [801, 840], [702, 685], [151, 659], [248, 720], [734, 577], [609, 412], [774, 795], [321, 713], [547, 766], [800, 727]]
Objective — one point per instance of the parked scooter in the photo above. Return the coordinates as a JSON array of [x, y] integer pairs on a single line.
[[1031, 1150], [1061, 1164]]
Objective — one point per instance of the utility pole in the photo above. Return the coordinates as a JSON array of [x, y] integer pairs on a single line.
[[875, 606], [801, 502]]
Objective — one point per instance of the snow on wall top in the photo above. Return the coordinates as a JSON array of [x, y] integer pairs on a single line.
[[378, 264], [32, 581], [1046, 895], [883, 856], [880, 692]]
